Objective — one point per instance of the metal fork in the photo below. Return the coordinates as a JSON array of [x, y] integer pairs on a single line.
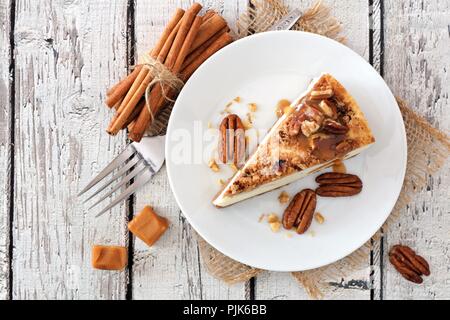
[[139, 160]]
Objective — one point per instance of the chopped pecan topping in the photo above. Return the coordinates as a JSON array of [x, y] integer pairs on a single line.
[[275, 226], [308, 120], [313, 114], [274, 222], [328, 108], [319, 218], [300, 211], [410, 265], [232, 140], [309, 127], [272, 218], [315, 139], [344, 147], [283, 197], [334, 127], [340, 104], [320, 94], [295, 123], [334, 184], [346, 119], [213, 165], [252, 107], [234, 167]]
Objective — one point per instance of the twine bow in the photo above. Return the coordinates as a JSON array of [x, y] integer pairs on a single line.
[[161, 75]]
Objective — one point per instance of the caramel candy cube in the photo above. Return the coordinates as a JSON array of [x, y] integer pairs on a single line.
[[148, 226], [109, 257]]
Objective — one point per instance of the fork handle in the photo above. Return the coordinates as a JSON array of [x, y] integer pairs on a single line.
[[288, 21], [152, 150]]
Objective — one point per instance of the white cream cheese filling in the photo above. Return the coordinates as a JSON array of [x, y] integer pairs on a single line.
[[224, 200]]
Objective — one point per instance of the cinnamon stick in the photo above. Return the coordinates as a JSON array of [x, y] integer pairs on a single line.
[[131, 125], [179, 13], [124, 111], [186, 24], [221, 41], [165, 49], [136, 111], [187, 71], [116, 115], [218, 44], [190, 38], [208, 15], [209, 28], [129, 78], [194, 54], [174, 61], [120, 89], [144, 77]]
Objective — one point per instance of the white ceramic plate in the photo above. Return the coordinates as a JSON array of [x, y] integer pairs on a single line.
[[264, 69]]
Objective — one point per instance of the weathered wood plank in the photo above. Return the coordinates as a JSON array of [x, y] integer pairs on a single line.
[[5, 146], [417, 59], [67, 54], [172, 269], [376, 59], [354, 16]]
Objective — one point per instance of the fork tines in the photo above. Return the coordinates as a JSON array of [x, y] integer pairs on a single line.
[[127, 160]]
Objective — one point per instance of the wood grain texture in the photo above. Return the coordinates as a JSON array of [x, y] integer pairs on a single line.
[[376, 56], [354, 17], [172, 269], [5, 145], [67, 54], [416, 64]]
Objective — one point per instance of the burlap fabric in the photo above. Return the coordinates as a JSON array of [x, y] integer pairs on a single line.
[[428, 149]]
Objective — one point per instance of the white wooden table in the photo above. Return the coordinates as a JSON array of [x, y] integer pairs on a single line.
[[56, 60]]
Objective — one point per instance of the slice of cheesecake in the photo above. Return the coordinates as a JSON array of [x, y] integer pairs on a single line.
[[323, 125]]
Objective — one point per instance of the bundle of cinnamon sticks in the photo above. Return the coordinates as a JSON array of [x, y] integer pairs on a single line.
[[187, 41]]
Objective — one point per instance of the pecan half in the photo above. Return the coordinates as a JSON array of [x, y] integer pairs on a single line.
[[334, 127], [232, 140], [410, 265], [335, 184], [300, 212]]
